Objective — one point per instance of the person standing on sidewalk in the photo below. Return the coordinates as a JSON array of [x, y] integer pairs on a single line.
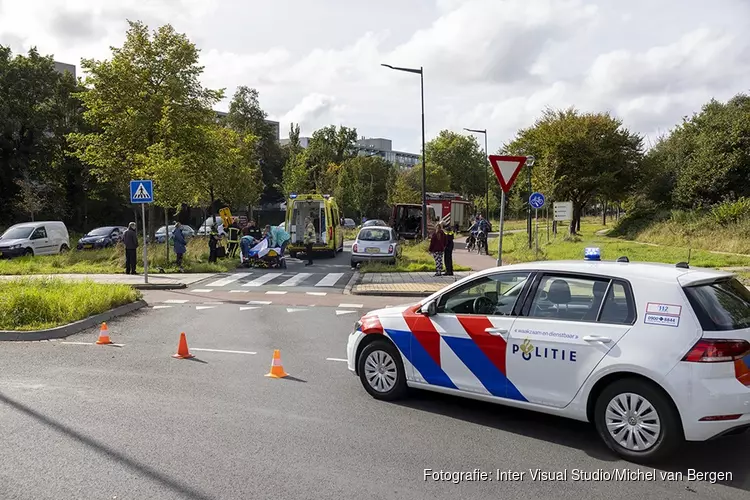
[[309, 240], [213, 243], [130, 240], [180, 244], [437, 247], [448, 253]]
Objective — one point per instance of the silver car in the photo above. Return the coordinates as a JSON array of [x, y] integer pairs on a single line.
[[375, 244]]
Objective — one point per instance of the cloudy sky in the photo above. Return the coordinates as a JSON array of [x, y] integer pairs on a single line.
[[491, 64]]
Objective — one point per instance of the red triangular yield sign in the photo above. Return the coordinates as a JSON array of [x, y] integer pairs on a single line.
[[506, 169]]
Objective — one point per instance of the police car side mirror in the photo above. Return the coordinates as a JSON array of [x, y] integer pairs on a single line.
[[429, 309]]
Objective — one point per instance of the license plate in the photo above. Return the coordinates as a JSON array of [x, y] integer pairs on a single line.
[[88, 246], [372, 250]]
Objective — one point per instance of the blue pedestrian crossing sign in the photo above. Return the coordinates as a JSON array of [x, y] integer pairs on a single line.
[[141, 191], [536, 200]]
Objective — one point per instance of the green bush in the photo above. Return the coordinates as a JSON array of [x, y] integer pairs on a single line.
[[731, 212], [34, 304]]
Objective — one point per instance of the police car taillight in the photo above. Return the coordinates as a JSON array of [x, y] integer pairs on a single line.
[[717, 351]]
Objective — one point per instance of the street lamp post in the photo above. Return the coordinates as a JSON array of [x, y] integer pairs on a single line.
[[420, 72], [486, 159]]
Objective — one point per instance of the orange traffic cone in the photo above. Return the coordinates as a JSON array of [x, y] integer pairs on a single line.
[[103, 335], [277, 371], [182, 349]]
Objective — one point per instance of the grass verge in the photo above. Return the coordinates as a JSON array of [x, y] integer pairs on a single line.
[[112, 260], [515, 249], [35, 304], [414, 258]]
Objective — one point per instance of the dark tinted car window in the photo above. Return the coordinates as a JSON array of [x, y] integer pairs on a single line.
[[618, 306], [722, 305]]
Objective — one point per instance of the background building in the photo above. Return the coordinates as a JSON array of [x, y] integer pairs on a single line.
[[384, 148], [303, 142], [63, 67]]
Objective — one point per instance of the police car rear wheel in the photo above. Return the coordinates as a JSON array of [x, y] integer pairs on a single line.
[[381, 371], [637, 421]]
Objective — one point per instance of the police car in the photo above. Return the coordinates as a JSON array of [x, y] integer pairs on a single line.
[[651, 354]]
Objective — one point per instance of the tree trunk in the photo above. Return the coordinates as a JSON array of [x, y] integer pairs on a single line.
[[618, 211], [574, 219], [213, 202], [166, 223], [604, 212], [554, 227]]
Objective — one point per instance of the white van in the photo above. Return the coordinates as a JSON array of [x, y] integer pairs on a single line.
[[34, 238]]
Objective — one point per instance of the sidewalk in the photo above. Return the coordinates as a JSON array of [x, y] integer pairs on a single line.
[[155, 281]]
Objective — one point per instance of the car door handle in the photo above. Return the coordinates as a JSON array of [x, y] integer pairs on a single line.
[[597, 338], [498, 332]]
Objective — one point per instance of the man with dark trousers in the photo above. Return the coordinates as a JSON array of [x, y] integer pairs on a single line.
[[130, 240], [448, 252]]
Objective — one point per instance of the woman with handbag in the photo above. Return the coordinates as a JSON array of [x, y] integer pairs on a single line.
[[213, 243]]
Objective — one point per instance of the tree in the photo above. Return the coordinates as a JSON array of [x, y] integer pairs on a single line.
[[31, 196], [246, 117], [438, 179], [462, 158], [362, 185], [580, 156], [402, 191], [328, 145], [147, 108]]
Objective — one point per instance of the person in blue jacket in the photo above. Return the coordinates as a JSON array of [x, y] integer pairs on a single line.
[[180, 245]]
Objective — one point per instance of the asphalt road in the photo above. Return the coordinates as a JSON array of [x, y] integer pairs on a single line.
[[130, 422]]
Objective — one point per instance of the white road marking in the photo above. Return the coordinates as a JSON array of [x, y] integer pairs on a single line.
[[262, 279], [221, 350], [239, 291], [244, 308], [229, 279], [348, 311], [213, 303], [161, 307], [259, 303], [200, 308], [295, 309], [330, 279], [271, 292], [202, 290], [337, 359], [354, 306], [319, 294], [296, 279], [174, 301]]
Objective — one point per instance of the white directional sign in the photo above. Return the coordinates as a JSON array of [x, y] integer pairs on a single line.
[[563, 210]]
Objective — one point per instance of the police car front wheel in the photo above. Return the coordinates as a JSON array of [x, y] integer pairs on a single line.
[[638, 421], [381, 371]]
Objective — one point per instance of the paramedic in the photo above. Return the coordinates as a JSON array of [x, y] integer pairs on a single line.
[[309, 240], [277, 238]]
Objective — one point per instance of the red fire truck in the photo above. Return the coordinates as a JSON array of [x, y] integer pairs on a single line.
[[451, 207]]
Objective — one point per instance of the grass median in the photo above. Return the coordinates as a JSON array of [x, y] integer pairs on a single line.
[[112, 260], [563, 247], [414, 258], [38, 303]]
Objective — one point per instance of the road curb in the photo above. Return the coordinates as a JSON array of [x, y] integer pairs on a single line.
[[60, 332], [160, 286], [352, 281], [392, 293]]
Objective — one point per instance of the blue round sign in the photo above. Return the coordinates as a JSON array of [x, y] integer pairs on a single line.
[[536, 200]]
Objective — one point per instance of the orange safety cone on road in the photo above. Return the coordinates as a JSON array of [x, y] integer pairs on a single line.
[[182, 349], [277, 370], [103, 335]]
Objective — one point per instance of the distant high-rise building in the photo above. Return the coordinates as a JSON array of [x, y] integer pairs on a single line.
[[63, 67], [384, 149]]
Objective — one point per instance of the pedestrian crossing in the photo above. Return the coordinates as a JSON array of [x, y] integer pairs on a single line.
[[246, 281]]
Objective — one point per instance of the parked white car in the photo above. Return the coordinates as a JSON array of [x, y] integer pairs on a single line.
[[34, 238], [375, 244], [651, 354], [205, 228]]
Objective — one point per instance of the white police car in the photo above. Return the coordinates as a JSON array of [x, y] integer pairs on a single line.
[[652, 354]]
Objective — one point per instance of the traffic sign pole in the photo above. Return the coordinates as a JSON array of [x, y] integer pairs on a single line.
[[142, 192], [502, 223], [145, 244]]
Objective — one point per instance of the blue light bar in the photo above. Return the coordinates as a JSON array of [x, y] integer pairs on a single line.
[[292, 195], [592, 253]]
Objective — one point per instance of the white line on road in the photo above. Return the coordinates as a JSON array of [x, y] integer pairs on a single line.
[[229, 279], [213, 303], [330, 279], [337, 359], [295, 309], [354, 306], [271, 292], [296, 279], [259, 303], [319, 294], [250, 308], [200, 308], [262, 279], [239, 291], [161, 307], [202, 290], [348, 311], [175, 301], [221, 350]]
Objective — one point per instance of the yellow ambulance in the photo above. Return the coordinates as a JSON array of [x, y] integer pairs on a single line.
[[325, 215]]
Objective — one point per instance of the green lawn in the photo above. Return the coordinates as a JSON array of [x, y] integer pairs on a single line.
[[414, 258], [515, 249], [112, 260], [35, 304]]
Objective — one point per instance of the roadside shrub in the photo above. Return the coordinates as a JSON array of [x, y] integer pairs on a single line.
[[731, 212]]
